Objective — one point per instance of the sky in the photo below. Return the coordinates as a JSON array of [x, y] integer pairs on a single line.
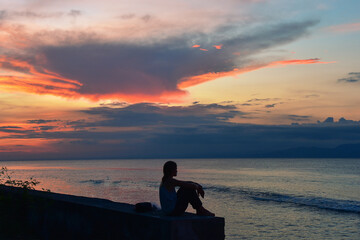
[[85, 79]]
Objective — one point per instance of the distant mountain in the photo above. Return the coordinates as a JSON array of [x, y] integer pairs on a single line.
[[342, 151]]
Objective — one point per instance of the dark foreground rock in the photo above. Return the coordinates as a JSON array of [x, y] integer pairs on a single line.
[[29, 214]]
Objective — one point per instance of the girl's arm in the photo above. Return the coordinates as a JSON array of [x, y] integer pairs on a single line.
[[185, 184], [188, 184]]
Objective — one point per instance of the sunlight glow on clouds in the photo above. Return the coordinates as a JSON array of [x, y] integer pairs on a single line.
[[81, 65], [195, 80], [114, 78], [344, 28], [29, 79]]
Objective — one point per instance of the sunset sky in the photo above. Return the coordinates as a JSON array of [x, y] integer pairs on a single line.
[[126, 79]]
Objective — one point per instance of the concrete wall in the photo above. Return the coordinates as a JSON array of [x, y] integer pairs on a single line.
[[46, 215]]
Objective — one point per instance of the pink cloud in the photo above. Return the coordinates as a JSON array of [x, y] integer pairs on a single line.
[[344, 28], [195, 80]]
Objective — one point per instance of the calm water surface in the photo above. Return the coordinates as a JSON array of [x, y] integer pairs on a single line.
[[259, 198]]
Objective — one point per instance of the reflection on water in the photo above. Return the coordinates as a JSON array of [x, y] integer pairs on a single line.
[[259, 198]]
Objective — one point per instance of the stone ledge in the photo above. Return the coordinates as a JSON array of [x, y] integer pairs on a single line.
[[61, 216]]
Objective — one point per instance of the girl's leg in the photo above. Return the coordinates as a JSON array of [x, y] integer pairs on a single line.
[[184, 197]]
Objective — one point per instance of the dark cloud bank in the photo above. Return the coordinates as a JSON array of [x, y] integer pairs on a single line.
[[197, 131], [155, 67], [353, 77]]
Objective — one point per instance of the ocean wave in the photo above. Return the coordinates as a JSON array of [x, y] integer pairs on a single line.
[[92, 181], [309, 201]]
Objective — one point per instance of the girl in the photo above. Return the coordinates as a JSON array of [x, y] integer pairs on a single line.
[[175, 203]]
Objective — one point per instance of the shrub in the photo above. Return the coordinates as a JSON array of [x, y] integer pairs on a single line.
[[5, 179]]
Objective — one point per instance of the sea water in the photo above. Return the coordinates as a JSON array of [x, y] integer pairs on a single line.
[[259, 198]]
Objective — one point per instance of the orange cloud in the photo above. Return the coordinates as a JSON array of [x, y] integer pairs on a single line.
[[24, 145], [44, 82], [195, 80], [16, 84], [203, 49], [343, 28], [165, 97], [14, 138], [297, 62], [218, 46], [33, 85], [43, 77], [40, 81], [196, 46]]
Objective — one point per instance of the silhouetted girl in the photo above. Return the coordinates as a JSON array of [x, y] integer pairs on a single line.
[[175, 203]]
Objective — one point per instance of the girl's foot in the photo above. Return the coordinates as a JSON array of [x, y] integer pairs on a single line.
[[204, 212]]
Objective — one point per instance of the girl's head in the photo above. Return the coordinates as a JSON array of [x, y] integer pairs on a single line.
[[169, 170]]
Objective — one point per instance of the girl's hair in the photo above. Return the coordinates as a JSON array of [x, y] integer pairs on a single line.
[[168, 168]]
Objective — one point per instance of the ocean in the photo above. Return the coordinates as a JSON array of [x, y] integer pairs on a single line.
[[259, 198]]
